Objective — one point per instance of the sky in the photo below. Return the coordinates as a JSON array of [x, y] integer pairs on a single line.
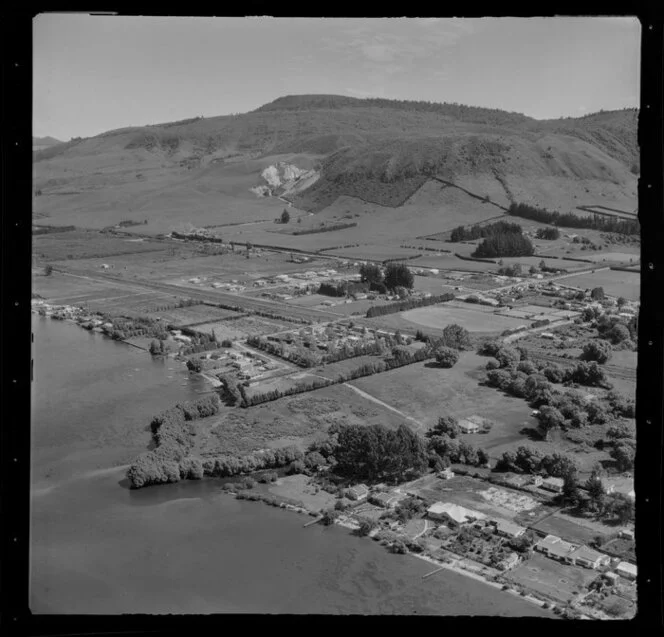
[[98, 73]]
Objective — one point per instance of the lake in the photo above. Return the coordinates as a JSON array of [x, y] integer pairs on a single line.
[[98, 547]]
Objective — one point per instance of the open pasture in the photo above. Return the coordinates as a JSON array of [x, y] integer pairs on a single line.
[[377, 253], [426, 391], [439, 316], [194, 315], [242, 327], [615, 282], [85, 244]]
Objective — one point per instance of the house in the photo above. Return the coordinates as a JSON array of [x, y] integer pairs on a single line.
[[445, 511], [553, 484], [386, 500], [508, 562], [468, 426], [627, 534], [626, 570], [626, 487], [588, 558], [358, 492], [446, 474], [552, 546], [508, 529], [537, 480]]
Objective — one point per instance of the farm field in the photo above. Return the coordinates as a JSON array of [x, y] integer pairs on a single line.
[[615, 282], [426, 391], [299, 491], [59, 286], [194, 314], [571, 531], [615, 257], [376, 253], [85, 244], [242, 327], [292, 420], [439, 316], [558, 581]]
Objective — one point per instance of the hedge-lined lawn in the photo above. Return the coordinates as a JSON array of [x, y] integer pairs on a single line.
[[614, 282], [439, 316]]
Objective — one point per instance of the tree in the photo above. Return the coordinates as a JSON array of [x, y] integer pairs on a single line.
[[285, 216], [398, 274], [618, 333], [330, 515], [571, 494], [194, 365], [370, 273], [549, 418], [622, 301], [456, 337], [528, 459], [446, 356], [48, 270], [596, 490], [155, 348], [624, 455], [558, 465], [446, 426], [366, 526], [597, 350], [507, 355], [597, 294]]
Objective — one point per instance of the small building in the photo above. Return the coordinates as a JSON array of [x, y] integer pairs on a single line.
[[537, 480], [506, 528], [468, 426], [358, 492], [548, 335], [446, 474], [446, 511], [552, 546], [612, 577], [588, 558], [553, 484], [626, 570], [628, 534], [509, 562]]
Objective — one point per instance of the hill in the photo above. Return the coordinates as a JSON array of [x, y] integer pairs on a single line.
[[40, 143], [212, 171]]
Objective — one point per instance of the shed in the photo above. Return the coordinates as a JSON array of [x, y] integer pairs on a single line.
[[627, 570], [508, 529], [468, 426], [358, 492], [553, 484]]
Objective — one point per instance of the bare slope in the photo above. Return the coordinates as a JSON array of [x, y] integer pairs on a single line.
[[380, 152]]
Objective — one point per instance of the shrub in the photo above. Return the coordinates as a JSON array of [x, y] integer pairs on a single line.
[[456, 337], [492, 364], [446, 356], [597, 350], [296, 467]]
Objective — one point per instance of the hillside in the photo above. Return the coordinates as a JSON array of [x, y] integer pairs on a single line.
[[215, 171], [40, 143]]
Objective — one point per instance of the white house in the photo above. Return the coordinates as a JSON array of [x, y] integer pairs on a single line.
[[588, 558], [358, 492], [552, 546]]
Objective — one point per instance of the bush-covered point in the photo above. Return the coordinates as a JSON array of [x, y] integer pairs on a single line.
[[446, 356]]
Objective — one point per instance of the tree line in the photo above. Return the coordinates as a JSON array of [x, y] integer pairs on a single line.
[[570, 220], [463, 233], [408, 304], [504, 244]]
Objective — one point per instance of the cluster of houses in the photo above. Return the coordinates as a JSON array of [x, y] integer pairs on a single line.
[[248, 365]]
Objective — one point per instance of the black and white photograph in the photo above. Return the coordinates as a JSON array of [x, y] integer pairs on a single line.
[[334, 316]]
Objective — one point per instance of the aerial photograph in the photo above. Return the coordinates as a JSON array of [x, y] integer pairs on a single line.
[[334, 316]]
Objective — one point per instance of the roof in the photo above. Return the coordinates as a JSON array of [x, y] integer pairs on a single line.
[[360, 488], [387, 498], [456, 512], [555, 545], [557, 482], [586, 553], [627, 568], [505, 526]]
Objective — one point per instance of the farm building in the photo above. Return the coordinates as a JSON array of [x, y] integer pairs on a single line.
[[468, 426], [508, 529], [588, 558], [553, 484], [627, 533], [446, 474], [552, 546], [627, 570], [445, 511], [358, 492]]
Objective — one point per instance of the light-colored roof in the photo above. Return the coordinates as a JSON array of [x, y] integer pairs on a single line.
[[586, 553], [509, 527], [558, 482], [360, 488], [455, 511], [555, 545], [626, 567]]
